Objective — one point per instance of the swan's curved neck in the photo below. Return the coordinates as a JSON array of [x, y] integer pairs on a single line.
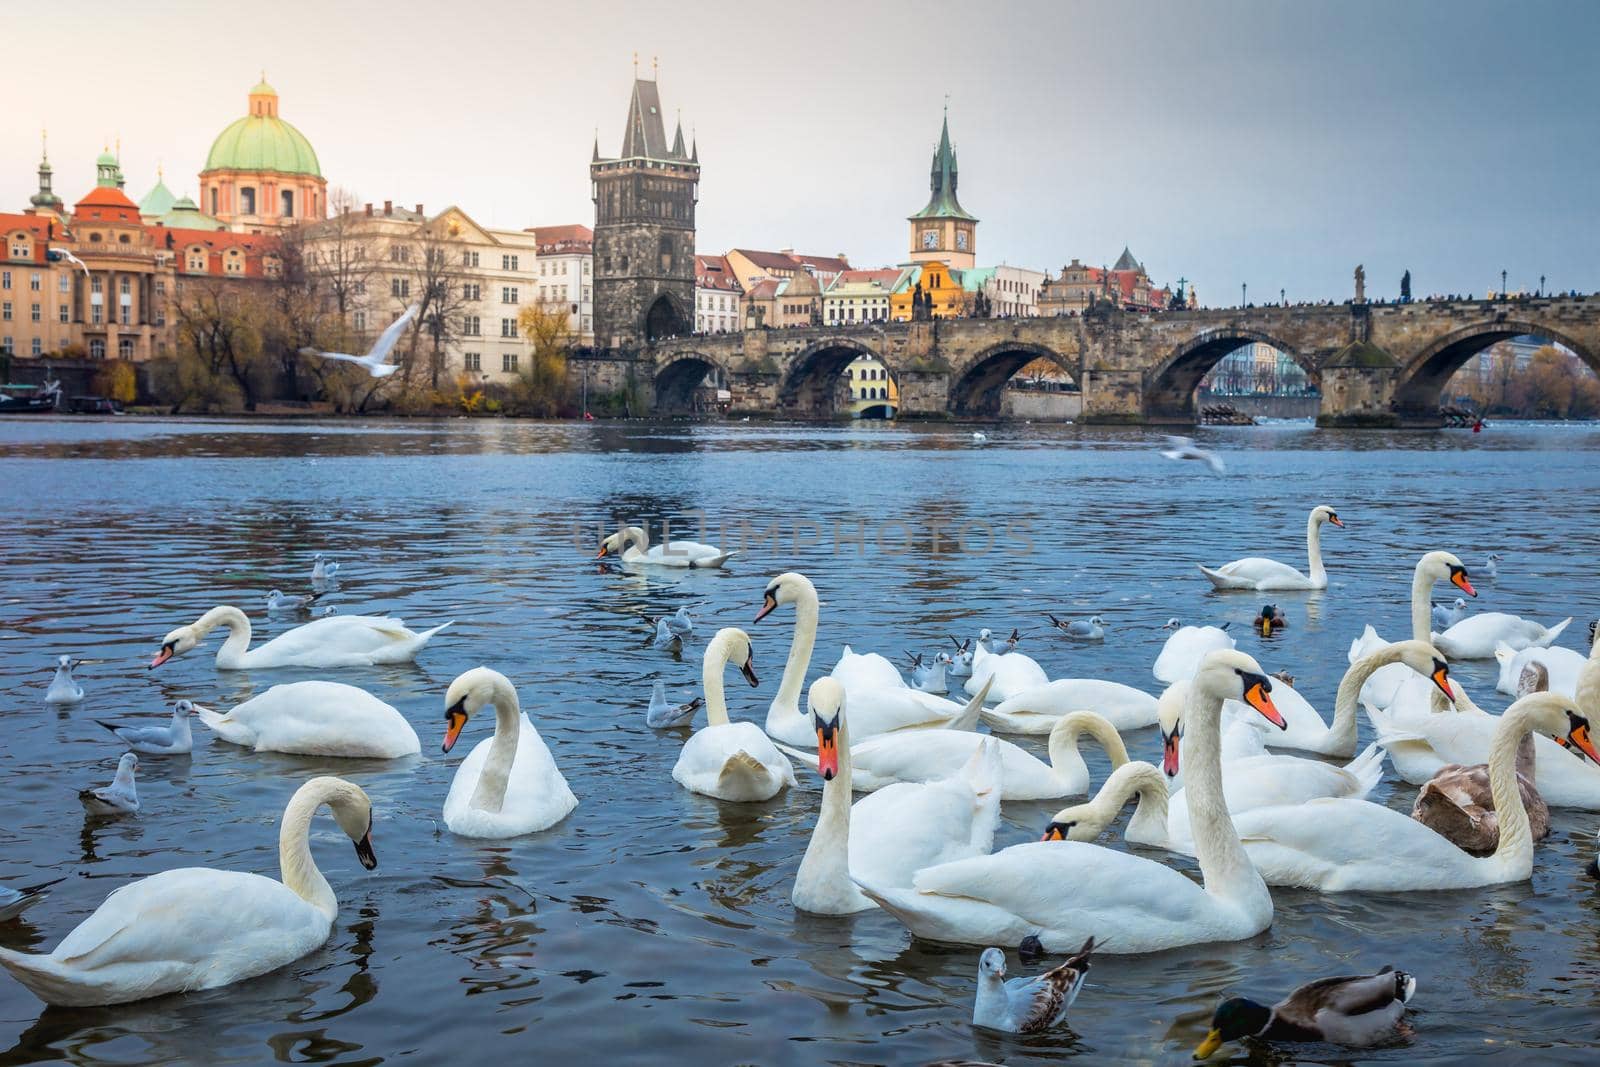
[[1346, 703], [1066, 760], [824, 873], [490, 794], [1516, 839], [298, 869], [711, 671], [1224, 866], [636, 538], [1149, 822], [1421, 605], [805, 639], [1314, 548], [238, 624]]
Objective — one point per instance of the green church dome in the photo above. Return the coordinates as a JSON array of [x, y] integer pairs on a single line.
[[263, 141]]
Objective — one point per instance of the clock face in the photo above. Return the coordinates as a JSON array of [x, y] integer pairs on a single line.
[[930, 238], [961, 240]]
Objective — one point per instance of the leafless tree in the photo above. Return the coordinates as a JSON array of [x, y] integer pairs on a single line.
[[340, 251], [439, 287]]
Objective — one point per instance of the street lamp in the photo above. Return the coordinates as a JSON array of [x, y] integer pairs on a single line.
[[1541, 285], [1244, 293], [1502, 285], [1282, 299]]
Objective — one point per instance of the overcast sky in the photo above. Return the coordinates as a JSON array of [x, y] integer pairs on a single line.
[[1273, 143]]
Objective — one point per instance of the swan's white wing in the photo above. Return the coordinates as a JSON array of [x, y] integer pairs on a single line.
[[386, 340]]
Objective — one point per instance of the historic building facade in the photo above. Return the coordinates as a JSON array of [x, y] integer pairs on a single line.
[[857, 296], [644, 204], [566, 275], [942, 231], [261, 173], [1125, 285], [718, 297]]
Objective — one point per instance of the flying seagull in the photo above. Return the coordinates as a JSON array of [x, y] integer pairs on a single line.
[[1185, 448], [70, 258], [374, 361]]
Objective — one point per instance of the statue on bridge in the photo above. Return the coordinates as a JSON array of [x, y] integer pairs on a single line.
[[1361, 284]]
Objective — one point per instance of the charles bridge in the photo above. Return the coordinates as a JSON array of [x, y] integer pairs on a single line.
[[1375, 364]]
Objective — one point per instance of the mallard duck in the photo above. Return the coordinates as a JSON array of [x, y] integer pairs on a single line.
[[1456, 801], [1270, 621], [1027, 1005], [1358, 1010]]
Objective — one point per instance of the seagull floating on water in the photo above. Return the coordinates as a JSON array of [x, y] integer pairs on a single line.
[[979, 437], [120, 797], [14, 902], [1027, 1005], [323, 570], [278, 601], [1489, 569], [1185, 448], [1447, 615], [173, 739], [665, 638], [64, 688], [375, 361], [681, 624], [1090, 629], [663, 715]]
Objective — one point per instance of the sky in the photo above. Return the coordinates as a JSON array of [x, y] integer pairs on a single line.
[[1273, 144]]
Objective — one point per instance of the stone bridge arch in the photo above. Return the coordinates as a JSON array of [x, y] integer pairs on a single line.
[[811, 385], [677, 375], [979, 389], [1422, 377], [1170, 385]]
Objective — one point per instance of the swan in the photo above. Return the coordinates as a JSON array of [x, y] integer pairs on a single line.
[[891, 834], [1561, 665], [1343, 845], [1065, 891], [1010, 673], [121, 797], [173, 739], [1086, 822], [633, 546], [200, 928], [316, 719], [509, 784], [865, 670], [1268, 575], [876, 709], [730, 760], [64, 688], [928, 755], [1395, 682], [335, 641], [1478, 636], [1240, 737], [1184, 650], [1037, 709]]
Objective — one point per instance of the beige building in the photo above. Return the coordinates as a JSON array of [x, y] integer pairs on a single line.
[[1081, 287], [873, 392], [718, 299], [857, 296], [1013, 292], [566, 274], [750, 266]]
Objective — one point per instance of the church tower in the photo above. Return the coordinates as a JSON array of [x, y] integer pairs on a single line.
[[943, 231], [644, 204], [45, 201]]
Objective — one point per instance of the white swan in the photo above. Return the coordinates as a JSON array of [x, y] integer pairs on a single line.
[[1395, 682], [1036, 710], [64, 688], [632, 544], [1356, 845], [730, 760], [1063, 891], [509, 784], [1184, 650], [200, 928], [1562, 667], [336, 641], [875, 709], [1010, 673], [896, 831], [929, 755], [316, 719], [1476, 637], [866, 670], [172, 739], [1149, 824], [1268, 575]]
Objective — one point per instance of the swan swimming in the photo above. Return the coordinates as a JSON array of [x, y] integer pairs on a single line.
[[1268, 575], [724, 759], [336, 641], [632, 544], [316, 718], [509, 784]]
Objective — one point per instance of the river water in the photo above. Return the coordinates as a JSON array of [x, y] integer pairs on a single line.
[[653, 925]]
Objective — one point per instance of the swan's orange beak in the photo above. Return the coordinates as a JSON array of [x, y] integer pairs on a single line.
[[604, 551], [1441, 678], [1169, 751], [1458, 578], [166, 653], [1255, 695], [1579, 739], [769, 604], [828, 749], [1336, 521], [454, 721]]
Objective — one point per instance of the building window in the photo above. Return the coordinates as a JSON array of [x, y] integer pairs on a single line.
[[471, 291], [247, 201], [508, 362], [97, 348], [5, 311], [36, 347], [358, 319], [95, 316], [213, 200], [35, 282], [287, 201], [61, 313], [64, 282], [125, 287], [5, 346], [508, 294], [508, 327], [5, 279], [471, 325], [508, 262], [195, 260], [472, 360], [469, 259], [400, 287], [37, 314], [400, 253], [125, 348], [233, 262]]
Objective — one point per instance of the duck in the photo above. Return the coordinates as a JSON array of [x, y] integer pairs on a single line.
[[336, 641], [1090, 629], [1561, 666], [894, 832], [662, 715], [316, 718], [1478, 636], [1038, 709], [879, 708], [198, 928], [64, 688], [121, 797], [1268, 575], [1359, 1011], [632, 545], [509, 784], [13, 902], [1065, 891], [1458, 802], [1270, 621], [323, 570], [1395, 684], [728, 760], [1338, 845], [1186, 647], [173, 739], [277, 600], [1004, 674], [1027, 1005], [1447, 615], [929, 755]]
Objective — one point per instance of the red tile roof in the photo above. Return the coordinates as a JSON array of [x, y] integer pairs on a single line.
[[794, 263], [826, 264], [882, 277], [38, 225], [713, 272], [573, 237], [106, 204], [764, 290]]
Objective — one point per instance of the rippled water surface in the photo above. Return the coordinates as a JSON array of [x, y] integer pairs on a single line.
[[654, 925]]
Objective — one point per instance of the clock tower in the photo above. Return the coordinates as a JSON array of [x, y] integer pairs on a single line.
[[943, 231]]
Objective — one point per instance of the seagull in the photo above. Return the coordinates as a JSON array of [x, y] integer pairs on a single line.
[[999, 646], [1489, 569], [323, 613], [663, 715], [70, 258], [277, 601], [665, 638], [172, 739], [1185, 448], [14, 902], [375, 360], [979, 437], [681, 624], [64, 688], [1092, 629], [961, 662], [118, 798], [1027, 1005], [929, 677], [1447, 615], [323, 570]]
